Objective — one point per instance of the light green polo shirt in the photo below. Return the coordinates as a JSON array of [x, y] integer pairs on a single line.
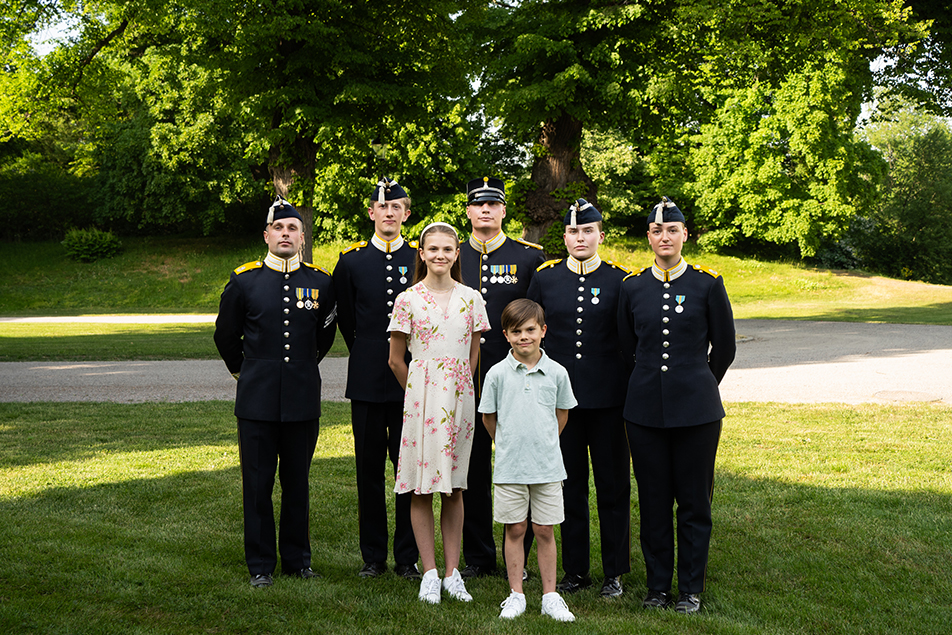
[[527, 431]]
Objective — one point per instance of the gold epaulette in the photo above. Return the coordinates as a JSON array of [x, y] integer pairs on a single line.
[[414, 244], [248, 266], [618, 266], [318, 267], [527, 243], [710, 272], [357, 245], [635, 273], [548, 263]]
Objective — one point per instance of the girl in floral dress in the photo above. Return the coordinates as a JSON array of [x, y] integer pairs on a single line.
[[440, 320]]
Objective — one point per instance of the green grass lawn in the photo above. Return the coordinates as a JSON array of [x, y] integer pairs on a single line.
[[120, 518]]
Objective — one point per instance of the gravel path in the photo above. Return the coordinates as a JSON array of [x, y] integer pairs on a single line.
[[777, 360]]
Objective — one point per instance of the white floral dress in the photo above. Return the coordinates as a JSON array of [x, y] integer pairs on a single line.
[[439, 409]]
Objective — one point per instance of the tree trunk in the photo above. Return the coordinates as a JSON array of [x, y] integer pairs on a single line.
[[292, 170], [558, 169]]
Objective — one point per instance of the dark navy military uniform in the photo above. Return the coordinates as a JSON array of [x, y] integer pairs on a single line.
[[668, 321], [581, 311], [368, 278], [500, 270], [276, 321]]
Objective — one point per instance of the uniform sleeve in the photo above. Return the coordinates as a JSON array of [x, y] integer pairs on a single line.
[[230, 325], [328, 325], [402, 317], [346, 302], [720, 329], [534, 292], [627, 338], [487, 403], [565, 398]]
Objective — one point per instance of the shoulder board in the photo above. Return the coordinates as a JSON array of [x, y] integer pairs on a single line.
[[548, 263], [709, 272], [248, 266], [527, 243], [635, 273], [318, 267], [362, 243], [618, 266], [413, 244]]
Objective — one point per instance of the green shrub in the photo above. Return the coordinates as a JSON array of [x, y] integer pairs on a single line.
[[90, 245]]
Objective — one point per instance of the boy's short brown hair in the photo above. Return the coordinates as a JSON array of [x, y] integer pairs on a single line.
[[520, 311]]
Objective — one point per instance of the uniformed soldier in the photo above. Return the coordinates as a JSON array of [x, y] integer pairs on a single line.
[[368, 278], [580, 298], [500, 268], [276, 321], [677, 333]]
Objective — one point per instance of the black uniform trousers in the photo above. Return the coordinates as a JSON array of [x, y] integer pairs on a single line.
[[675, 465], [479, 545], [260, 444], [601, 432], [377, 433]]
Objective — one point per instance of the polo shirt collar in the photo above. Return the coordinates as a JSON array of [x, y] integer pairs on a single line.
[[583, 267], [667, 275], [490, 245], [281, 264], [542, 365], [387, 246]]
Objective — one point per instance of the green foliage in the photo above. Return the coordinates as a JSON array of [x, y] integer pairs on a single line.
[[909, 233], [90, 245], [781, 165]]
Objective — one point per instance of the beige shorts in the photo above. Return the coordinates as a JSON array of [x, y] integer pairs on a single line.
[[512, 502]]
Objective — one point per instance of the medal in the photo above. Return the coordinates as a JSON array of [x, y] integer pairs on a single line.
[[300, 304], [595, 292], [679, 308], [403, 275]]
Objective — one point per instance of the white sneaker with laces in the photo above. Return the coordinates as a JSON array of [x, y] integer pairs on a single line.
[[455, 587], [513, 606], [430, 587], [555, 607]]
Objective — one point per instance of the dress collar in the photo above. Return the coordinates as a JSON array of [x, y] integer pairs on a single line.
[[667, 275], [387, 246], [490, 245], [583, 267], [281, 264]]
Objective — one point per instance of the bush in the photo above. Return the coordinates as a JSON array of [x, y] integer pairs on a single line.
[[90, 245]]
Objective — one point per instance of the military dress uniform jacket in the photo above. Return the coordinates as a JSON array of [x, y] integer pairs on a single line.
[[500, 270], [581, 314], [367, 281], [274, 327], [665, 329]]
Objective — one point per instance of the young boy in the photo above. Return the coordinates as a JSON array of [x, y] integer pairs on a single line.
[[525, 402]]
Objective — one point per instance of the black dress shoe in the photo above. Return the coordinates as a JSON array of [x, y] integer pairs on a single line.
[[305, 574], [657, 600], [611, 587], [688, 603], [407, 571], [471, 571], [261, 581], [372, 569], [573, 583]]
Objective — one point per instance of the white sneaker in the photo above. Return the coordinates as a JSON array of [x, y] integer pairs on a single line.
[[554, 606], [430, 587], [513, 606], [455, 587]]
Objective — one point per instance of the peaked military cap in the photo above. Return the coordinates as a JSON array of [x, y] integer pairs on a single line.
[[485, 189], [665, 212], [581, 212]]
